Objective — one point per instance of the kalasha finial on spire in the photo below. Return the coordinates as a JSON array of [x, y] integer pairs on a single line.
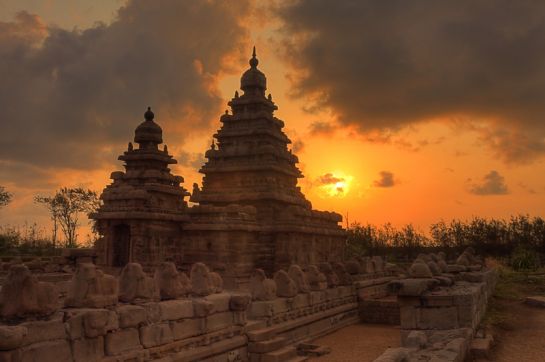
[[254, 62], [149, 115]]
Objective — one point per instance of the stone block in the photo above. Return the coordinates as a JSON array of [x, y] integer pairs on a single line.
[[88, 349], [10, 356], [261, 309], [131, 315], [266, 346], [12, 337], [535, 301], [40, 331], [220, 301], [99, 321], [202, 308], [153, 312], [155, 335], [186, 328], [437, 318], [407, 317], [219, 321], [481, 347], [122, 341], [172, 310], [239, 302], [416, 339], [58, 350]]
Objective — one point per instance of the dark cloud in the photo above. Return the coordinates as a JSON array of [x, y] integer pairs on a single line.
[[69, 97], [382, 65], [329, 179], [297, 146], [321, 128], [492, 184], [193, 160], [386, 179], [26, 176]]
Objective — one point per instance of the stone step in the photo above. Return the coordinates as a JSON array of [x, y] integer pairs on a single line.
[[266, 346], [481, 347], [280, 355], [535, 301]]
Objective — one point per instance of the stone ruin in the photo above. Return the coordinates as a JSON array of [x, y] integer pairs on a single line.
[[250, 272], [249, 213]]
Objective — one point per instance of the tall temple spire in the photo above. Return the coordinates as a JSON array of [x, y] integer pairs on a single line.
[[253, 81]]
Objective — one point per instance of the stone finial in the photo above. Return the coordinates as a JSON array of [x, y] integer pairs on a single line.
[[296, 273], [201, 282], [331, 277], [316, 280], [149, 116], [91, 288], [262, 288], [23, 295], [342, 274], [285, 286], [253, 61], [135, 284], [170, 283], [236, 94]]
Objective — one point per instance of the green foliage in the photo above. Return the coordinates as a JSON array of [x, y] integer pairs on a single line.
[[65, 208], [26, 240], [5, 196], [487, 236], [524, 259]]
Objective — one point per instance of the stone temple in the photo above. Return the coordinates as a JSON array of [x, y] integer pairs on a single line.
[[249, 214]]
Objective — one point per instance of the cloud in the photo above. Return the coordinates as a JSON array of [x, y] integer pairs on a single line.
[[381, 66], [386, 179], [321, 128], [68, 97], [328, 179], [298, 146], [492, 184], [194, 160]]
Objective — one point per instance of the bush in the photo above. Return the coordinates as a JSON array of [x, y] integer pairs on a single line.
[[524, 259]]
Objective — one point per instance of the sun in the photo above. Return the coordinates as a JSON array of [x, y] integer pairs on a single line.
[[334, 184]]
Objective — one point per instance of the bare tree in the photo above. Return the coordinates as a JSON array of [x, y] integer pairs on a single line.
[[65, 207], [5, 196]]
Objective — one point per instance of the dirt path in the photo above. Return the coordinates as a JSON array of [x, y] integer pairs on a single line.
[[521, 336], [359, 342]]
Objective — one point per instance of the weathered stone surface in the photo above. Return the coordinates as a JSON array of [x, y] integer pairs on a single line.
[[216, 282], [416, 339], [239, 302], [176, 309], [186, 328], [220, 300], [58, 350], [22, 294], [90, 287], [412, 287], [316, 279], [420, 270], [456, 268], [88, 349], [342, 274], [98, 322], [44, 330], [201, 283], [535, 301], [11, 337], [131, 315], [298, 276], [442, 266], [434, 268], [123, 340], [285, 286], [170, 283], [394, 355], [202, 308], [135, 284], [155, 335], [219, 321], [378, 263], [262, 288], [331, 276], [352, 267]]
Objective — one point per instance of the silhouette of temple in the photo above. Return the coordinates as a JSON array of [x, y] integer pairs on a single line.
[[250, 213]]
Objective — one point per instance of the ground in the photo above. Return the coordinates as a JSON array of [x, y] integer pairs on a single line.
[[359, 342]]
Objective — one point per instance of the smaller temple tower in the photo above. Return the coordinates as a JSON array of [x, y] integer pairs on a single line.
[[143, 206]]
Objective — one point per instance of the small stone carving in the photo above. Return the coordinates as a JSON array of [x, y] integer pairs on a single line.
[[342, 274], [135, 284], [434, 268], [91, 288], [296, 273], [331, 277], [285, 286], [378, 264], [352, 267], [316, 280], [23, 295], [420, 270], [442, 265], [202, 284], [261, 287], [217, 282], [170, 283]]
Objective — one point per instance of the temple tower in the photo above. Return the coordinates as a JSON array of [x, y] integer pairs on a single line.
[[251, 163], [143, 206]]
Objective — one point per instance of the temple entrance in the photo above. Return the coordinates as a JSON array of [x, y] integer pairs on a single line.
[[121, 245]]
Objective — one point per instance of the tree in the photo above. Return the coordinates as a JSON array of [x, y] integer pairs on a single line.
[[65, 207], [5, 197]]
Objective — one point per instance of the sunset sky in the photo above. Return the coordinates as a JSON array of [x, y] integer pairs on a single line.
[[399, 111]]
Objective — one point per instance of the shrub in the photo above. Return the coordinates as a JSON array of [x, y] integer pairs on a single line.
[[524, 259]]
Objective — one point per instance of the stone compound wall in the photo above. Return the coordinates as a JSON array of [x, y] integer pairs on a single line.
[[440, 311], [178, 317]]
